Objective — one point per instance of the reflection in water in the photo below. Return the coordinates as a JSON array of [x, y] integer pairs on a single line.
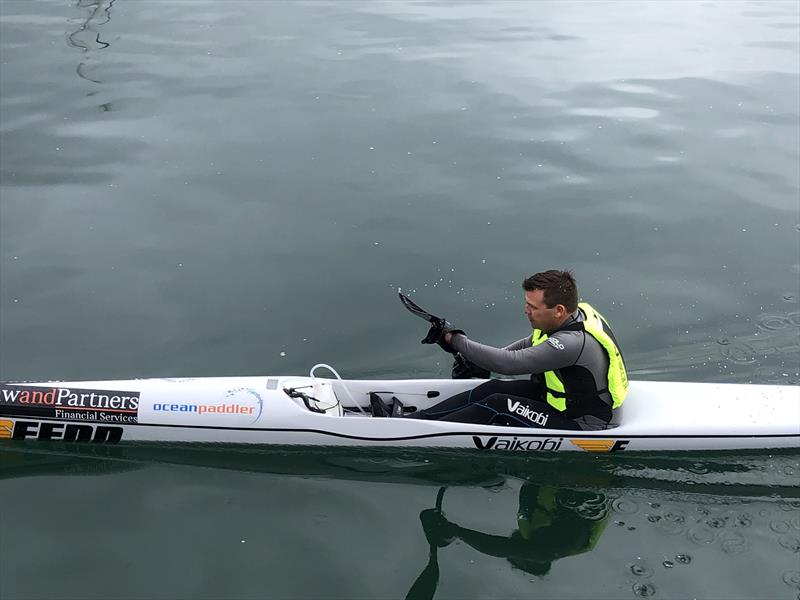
[[756, 475], [552, 523], [727, 502], [87, 38]]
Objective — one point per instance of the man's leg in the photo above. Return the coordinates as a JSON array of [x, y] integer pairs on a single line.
[[513, 411], [510, 403], [517, 387]]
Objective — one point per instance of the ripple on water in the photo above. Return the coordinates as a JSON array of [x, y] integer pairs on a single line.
[[733, 542], [593, 508], [698, 468], [668, 159], [790, 542], [773, 322], [792, 579], [673, 522], [640, 568], [702, 535], [643, 590], [779, 526], [622, 113], [740, 353], [743, 520], [776, 376], [789, 505], [624, 506], [634, 88]]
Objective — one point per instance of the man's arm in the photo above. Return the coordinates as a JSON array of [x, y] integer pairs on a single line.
[[561, 350], [519, 344], [496, 545]]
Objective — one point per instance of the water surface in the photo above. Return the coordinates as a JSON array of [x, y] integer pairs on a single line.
[[221, 188]]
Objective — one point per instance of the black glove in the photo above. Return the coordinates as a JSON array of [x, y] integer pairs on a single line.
[[436, 334], [438, 530], [464, 369]]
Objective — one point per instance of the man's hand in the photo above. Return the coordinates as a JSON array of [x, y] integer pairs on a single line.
[[464, 369], [438, 530], [438, 334]]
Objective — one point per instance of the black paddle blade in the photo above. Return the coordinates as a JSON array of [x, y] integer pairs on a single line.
[[424, 588], [439, 498], [416, 310]]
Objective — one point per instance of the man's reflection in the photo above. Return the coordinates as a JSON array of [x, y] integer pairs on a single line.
[[552, 523]]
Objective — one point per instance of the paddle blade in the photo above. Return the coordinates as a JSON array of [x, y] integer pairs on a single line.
[[425, 586], [416, 310]]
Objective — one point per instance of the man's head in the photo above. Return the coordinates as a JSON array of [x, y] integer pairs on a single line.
[[550, 298]]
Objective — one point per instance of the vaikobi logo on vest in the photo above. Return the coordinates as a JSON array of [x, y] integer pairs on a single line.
[[523, 411], [68, 404]]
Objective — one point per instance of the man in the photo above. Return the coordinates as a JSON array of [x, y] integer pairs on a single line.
[[578, 377], [552, 523]]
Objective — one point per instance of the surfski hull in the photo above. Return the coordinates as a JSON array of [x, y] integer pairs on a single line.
[[669, 416]]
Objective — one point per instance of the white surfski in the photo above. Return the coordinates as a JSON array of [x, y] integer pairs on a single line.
[[669, 416]]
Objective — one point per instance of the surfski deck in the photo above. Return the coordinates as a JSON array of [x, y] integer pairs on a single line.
[[670, 416]]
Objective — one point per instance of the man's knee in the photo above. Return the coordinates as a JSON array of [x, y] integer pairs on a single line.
[[496, 400]]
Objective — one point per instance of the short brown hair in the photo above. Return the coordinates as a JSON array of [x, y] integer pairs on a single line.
[[558, 286]]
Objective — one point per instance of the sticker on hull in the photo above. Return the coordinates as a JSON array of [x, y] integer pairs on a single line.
[[69, 404], [521, 445], [601, 445], [60, 432]]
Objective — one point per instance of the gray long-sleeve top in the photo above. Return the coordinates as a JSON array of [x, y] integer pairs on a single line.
[[562, 349]]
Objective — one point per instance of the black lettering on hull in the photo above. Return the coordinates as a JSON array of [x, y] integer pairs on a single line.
[[523, 445], [66, 432]]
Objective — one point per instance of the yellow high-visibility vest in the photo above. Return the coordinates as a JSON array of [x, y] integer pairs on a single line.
[[595, 325]]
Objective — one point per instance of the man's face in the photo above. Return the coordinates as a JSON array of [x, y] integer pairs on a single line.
[[541, 317]]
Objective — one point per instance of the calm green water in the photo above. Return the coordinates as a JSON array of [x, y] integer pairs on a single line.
[[222, 188]]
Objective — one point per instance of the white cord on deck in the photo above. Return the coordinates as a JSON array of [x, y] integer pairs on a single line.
[[339, 377]]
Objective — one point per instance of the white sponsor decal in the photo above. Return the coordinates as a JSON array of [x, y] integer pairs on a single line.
[[555, 343], [523, 411], [58, 396], [70, 404]]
